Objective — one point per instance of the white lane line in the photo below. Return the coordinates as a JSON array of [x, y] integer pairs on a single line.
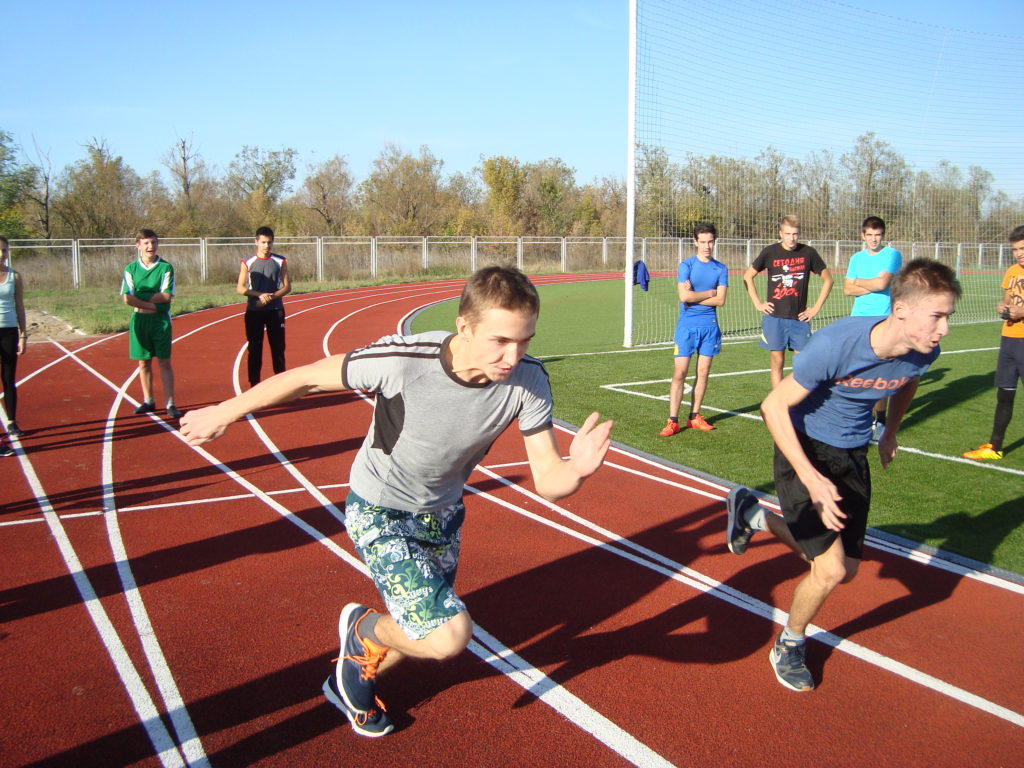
[[648, 558], [188, 739], [149, 717]]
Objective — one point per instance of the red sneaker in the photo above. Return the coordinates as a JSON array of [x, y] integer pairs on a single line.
[[671, 428], [697, 422]]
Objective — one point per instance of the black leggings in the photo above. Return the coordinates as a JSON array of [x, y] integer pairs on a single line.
[[9, 369]]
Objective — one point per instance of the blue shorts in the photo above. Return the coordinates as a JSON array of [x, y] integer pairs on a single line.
[[781, 333], [705, 339]]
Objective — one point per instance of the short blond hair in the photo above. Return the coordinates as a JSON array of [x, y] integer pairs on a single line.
[[790, 218]]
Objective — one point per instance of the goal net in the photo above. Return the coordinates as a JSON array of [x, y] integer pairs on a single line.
[[741, 112]]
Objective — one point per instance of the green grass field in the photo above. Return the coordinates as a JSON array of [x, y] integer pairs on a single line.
[[973, 509]]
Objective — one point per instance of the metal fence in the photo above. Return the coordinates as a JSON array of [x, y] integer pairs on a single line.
[[70, 264]]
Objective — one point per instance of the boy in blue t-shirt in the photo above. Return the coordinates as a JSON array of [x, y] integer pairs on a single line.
[[702, 285], [867, 280], [820, 419]]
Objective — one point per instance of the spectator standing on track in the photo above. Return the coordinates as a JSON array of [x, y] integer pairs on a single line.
[[867, 280], [702, 284], [441, 401], [13, 339], [263, 278], [1010, 363], [148, 288], [820, 419], [787, 320]]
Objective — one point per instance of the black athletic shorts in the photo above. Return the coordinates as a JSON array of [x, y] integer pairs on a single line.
[[1010, 363], [848, 469]]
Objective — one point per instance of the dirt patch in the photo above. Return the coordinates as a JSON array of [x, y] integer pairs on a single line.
[[43, 325]]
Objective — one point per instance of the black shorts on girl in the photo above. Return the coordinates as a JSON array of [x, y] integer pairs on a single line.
[[849, 471]]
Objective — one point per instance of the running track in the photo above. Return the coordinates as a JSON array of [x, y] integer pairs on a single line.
[[165, 606]]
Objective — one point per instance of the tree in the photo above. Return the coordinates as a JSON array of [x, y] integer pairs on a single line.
[[549, 197], [327, 193], [404, 194], [15, 183], [195, 190], [101, 196], [880, 181], [504, 179], [257, 180]]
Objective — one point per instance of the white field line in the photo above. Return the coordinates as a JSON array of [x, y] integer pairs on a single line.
[[623, 388]]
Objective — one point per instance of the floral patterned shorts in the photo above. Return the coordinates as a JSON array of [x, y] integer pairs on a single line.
[[412, 557]]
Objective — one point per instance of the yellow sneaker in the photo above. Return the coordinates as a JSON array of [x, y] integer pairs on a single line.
[[985, 451]]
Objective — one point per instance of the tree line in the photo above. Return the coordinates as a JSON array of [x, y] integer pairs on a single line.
[[101, 196]]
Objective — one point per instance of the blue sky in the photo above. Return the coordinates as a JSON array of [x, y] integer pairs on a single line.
[[527, 79]]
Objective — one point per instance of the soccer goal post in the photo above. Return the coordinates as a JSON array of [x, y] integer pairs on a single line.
[[741, 112]]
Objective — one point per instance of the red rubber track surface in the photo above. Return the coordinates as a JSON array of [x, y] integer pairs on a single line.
[[194, 621]]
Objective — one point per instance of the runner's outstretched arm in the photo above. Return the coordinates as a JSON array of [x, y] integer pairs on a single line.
[[207, 424]]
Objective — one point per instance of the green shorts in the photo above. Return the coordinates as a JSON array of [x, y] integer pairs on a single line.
[[149, 335], [412, 558]]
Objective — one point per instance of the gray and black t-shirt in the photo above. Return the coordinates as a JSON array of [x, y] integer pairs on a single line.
[[430, 428]]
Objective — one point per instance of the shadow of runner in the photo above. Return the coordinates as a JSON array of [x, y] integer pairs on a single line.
[[929, 586]]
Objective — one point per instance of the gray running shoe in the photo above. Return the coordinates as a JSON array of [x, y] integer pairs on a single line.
[[173, 412], [788, 663], [737, 533]]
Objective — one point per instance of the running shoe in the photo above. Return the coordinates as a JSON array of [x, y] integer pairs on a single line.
[[737, 533], [374, 723], [5, 447], [985, 451], [697, 422], [14, 430], [145, 407], [356, 671], [787, 660], [173, 412], [671, 428]]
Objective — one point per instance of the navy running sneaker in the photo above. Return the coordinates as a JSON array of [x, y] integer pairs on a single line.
[[788, 664], [173, 412], [5, 447], [374, 723], [356, 671], [737, 533], [145, 407], [14, 430]]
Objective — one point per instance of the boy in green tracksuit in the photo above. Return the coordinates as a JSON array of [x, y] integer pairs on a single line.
[[148, 287]]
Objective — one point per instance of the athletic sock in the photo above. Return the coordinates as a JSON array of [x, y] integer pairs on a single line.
[[789, 636], [367, 626], [754, 518], [693, 415], [674, 418]]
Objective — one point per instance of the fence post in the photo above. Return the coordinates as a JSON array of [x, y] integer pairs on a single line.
[[564, 270], [519, 253], [981, 254], [835, 258], [472, 254], [319, 259], [203, 266], [938, 251], [373, 256], [426, 253], [604, 252], [750, 250], [76, 275]]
